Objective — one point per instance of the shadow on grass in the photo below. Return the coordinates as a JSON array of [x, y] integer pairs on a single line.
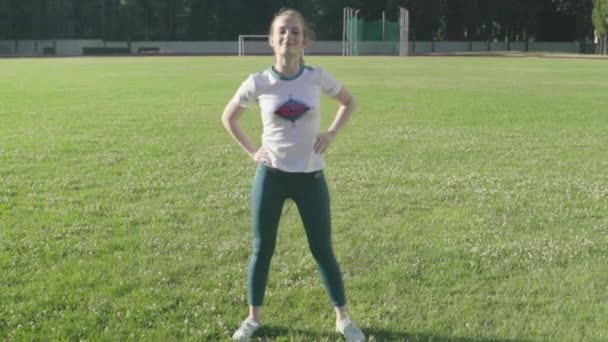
[[272, 333], [386, 335]]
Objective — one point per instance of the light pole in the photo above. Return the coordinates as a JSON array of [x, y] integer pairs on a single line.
[[128, 9], [356, 44], [103, 21]]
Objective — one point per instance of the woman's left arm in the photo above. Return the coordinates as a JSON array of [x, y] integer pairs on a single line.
[[347, 106]]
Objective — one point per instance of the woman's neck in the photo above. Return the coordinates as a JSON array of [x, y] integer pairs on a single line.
[[287, 66]]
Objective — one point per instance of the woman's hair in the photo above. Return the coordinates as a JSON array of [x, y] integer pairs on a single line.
[[306, 30]]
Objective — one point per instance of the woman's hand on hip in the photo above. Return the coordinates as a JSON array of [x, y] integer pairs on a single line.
[[261, 156], [323, 141]]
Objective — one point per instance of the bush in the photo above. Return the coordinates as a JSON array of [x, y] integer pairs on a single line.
[[148, 50], [106, 51]]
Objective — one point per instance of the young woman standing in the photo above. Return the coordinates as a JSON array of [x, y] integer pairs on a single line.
[[290, 162]]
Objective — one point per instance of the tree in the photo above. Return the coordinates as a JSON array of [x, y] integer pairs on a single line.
[[127, 20], [556, 24], [255, 17], [327, 22], [88, 18], [515, 20], [580, 10], [114, 26], [127, 16], [488, 14], [5, 20], [600, 21], [527, 18], [425, 18], [505, 22], [462, 20], [198, 20]]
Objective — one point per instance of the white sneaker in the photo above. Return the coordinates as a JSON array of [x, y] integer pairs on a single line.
[[244, 332], [351, 331]]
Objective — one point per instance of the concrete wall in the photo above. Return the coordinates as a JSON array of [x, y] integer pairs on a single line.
[[68, 47], [425, 47]]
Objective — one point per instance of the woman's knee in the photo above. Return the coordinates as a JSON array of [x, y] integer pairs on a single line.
[[263, 251], [322, 253]]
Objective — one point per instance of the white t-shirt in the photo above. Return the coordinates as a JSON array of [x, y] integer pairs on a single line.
[[291, 114]]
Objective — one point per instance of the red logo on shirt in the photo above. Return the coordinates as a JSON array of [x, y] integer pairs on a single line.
[[292, 110]]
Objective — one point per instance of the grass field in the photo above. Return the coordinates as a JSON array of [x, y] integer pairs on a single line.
[[469, 197]]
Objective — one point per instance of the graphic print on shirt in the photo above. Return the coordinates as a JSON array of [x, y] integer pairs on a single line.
[[292, 110]]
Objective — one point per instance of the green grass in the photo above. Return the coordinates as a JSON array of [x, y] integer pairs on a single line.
[[470, 202]]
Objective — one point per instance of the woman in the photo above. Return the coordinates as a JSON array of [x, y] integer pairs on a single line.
[[290, 162]]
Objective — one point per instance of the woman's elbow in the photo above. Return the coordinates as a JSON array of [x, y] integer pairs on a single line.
[[351, 104], [230, 115], [225, 119], [229, 122]]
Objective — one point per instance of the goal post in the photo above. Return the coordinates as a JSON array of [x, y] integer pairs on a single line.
[[383, 37], [255, 44], [404, 32], [260, 47]]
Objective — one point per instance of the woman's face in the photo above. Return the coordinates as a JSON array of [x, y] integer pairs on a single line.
[[287, 36]]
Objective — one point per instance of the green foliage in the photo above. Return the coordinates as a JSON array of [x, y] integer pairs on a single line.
[[600, 17], [125, 20], [469, 196], [600, 21], [5, 17], [425, 17]]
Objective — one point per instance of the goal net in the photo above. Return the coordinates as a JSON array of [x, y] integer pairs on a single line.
[[254, 44], [369, 37]]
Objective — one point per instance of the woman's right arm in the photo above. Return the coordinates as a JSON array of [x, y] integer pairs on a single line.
[[230, 120]]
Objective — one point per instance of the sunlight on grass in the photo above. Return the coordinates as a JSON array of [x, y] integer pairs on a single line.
[[469, 195]]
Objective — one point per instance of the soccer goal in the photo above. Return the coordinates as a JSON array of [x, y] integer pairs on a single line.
[[379, 37], [254, 44]]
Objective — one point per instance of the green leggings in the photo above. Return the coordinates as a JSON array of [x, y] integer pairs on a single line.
[[270, 189]]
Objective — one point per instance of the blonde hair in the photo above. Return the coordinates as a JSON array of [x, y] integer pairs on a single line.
[[306, 30]]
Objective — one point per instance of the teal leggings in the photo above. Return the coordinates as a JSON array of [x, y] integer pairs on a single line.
[[270, 189]]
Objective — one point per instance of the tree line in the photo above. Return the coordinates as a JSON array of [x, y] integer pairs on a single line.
[[119, 20]]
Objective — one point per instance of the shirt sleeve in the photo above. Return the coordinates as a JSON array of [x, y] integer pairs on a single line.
[[329, 85], [245, 95]]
